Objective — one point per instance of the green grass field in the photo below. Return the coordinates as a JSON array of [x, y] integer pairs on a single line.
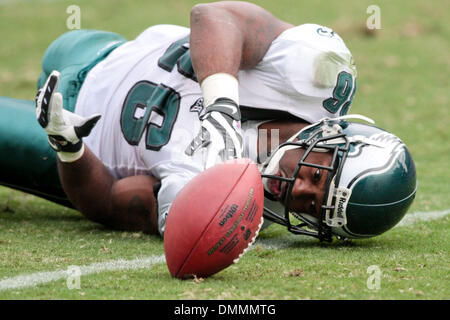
[[403, 85]]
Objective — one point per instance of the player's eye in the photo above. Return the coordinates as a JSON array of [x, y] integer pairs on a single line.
[[317, 175]]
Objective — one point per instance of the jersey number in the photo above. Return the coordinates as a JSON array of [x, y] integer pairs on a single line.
[[152, 109], [178, 54], [342, 94]]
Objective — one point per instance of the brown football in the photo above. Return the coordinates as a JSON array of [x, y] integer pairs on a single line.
[[214, 219]]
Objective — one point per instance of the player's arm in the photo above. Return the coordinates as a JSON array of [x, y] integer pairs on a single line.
[[226, 37], [126, 204], [230, 35]]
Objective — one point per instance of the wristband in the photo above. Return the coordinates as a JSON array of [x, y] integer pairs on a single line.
[[70, 156], [219, 85]]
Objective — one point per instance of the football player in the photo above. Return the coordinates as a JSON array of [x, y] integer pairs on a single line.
[[133, 121]]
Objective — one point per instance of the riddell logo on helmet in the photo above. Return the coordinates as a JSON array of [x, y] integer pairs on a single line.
[[341, 207]]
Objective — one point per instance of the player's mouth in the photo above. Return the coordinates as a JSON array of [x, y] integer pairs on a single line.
[[276, 186]]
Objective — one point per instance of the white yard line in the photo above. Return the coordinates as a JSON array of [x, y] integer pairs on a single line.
[[33, 279], [415, 217]]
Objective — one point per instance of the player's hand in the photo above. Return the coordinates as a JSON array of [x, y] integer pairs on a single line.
[[65, 129], [220, 133]]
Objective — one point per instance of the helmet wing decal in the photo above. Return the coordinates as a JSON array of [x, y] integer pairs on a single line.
[[362, 158]]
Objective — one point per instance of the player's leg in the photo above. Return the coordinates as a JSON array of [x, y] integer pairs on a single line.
[[27, 162], [74, 54]]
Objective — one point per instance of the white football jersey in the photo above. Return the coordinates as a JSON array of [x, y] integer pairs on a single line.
[[150, 100], [307, 71]]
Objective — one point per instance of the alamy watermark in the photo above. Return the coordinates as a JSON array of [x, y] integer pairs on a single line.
[[73, 280], [74, 19], [374, 279], [374, 20]]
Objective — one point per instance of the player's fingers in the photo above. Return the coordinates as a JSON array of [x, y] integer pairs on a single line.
[[54, 79], [213, 156], [45, 97], [49, 88], [85, 129], [56, 106], [201, 140]]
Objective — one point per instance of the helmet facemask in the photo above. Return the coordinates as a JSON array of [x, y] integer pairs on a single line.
[[323, 136]]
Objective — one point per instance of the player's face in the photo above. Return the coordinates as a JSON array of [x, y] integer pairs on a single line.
[[309, 187]]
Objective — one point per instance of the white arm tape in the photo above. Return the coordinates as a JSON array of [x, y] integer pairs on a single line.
[[219, 85]]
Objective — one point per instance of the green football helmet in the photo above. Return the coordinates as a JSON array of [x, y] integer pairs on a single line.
[[371, 180]]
